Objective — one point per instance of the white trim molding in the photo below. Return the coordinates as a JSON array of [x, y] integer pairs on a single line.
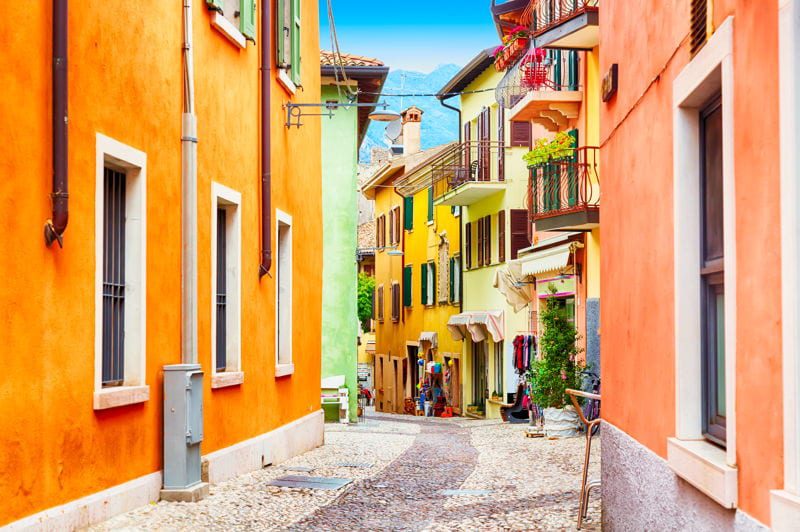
[[124, 158], [785, 504], [226, 27], [230, 200], [284, 287], [710, 72], [95, 508]]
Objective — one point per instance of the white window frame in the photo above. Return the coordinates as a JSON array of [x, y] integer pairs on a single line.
[[785, 503], [283, 309], [704, 465], [231, 201], [110, 152], [430, 296], [456, 279]]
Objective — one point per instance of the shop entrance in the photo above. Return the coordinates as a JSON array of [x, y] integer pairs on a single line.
[[479, 375], [414, 370]]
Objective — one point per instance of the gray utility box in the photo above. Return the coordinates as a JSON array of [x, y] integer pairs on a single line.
[[183, 425]]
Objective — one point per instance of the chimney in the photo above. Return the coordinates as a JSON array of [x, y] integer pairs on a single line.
[[412, 118]]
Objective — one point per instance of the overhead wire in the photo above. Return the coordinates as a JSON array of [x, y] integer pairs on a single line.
[[352, 95]]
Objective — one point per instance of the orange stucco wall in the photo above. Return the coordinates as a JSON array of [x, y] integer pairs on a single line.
[[638, 363], [126, 82]]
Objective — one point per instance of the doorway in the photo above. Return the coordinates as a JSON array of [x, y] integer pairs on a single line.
[[479, 375]]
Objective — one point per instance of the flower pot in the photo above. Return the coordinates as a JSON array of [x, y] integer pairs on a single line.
[[560, 422]]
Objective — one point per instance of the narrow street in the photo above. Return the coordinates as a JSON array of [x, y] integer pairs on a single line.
[[401, 468]]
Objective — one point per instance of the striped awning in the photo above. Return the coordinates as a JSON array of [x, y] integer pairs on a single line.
[[477, 324], [430, 337], [546, 260]]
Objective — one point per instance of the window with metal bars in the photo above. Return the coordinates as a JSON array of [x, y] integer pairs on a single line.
[[114, 278], [221, 291]]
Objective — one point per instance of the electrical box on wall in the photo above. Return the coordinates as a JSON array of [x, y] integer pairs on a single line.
[[183, 432]]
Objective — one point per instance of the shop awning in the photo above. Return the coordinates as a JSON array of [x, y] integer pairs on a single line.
[[509, 282], [547, 260], [430, 337], [477, 324]]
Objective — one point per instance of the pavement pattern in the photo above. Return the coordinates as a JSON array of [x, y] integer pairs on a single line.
[[502, 481]]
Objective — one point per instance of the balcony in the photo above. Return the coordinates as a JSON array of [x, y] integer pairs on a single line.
[[510, 13], [566, 24], [543, 88], [565, 194], [471, 172]]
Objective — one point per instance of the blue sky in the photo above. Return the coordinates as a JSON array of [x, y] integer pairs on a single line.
[[411, 34]]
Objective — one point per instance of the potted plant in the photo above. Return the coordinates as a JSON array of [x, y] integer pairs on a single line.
[[514, 45], [557, 369], [546, 150]]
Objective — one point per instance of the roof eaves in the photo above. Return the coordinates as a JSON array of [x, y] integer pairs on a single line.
[[467, 75]]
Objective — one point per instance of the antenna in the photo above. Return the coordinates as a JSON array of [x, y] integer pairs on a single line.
[[393, 131]]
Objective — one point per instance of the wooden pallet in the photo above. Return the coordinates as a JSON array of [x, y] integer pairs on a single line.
[[534, 433]]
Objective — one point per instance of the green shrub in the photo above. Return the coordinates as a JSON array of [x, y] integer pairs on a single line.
[[558, 367], [366, 288]]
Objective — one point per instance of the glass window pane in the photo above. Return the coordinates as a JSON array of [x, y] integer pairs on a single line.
[[712, 186], [720, 343]]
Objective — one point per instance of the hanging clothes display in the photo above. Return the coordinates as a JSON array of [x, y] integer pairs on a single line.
[[525, 351]]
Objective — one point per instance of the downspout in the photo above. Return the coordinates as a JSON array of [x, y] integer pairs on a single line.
[[461, 217], [266, 142], [54, 227], [188, 199]]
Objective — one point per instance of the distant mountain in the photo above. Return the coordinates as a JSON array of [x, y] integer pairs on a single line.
[[439, 124]]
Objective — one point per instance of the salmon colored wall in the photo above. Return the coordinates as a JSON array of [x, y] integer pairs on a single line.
[[56, 448], [759, 380], [638, 362]]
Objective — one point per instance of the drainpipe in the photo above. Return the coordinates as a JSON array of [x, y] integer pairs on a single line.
[[266, 161], [188, 199], [461, 217], [54, 227]]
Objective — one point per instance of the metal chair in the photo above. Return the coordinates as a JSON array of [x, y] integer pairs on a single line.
[[586, 486]]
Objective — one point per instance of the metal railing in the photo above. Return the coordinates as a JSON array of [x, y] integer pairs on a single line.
[[550, 13], [539, 70], [567, 185], [477, 161]]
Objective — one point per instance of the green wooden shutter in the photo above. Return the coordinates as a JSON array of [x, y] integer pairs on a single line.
[[247, 19], [283, 32], [573, 70], [572, 176], [434, 298], [407, 272], [430, 204], [295, 58], [216, 5], [557, 69], [452, 279], [408, 213], [423, 277]]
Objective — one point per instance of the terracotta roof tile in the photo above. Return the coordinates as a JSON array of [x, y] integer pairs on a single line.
[[326, 58]]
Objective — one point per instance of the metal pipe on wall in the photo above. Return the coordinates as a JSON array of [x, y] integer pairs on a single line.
[[188, 199], [54, 227], [461, 216], [266, 141]]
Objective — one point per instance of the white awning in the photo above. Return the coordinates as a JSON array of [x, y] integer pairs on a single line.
[[430, 337], [477, 324], [509, 282], [546, 260]]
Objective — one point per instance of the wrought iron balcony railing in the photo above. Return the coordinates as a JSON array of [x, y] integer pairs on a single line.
[[478, 161], [566, 186], [573, 16], [550, 13]]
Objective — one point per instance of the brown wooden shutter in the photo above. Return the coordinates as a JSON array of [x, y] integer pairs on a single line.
[[467, 139], [501, 142], [698, 25], [484, 154], [521, 134], [501, 236], [395, 302], [487, 239], [380, 303], [479, 242], [519, 231], [468, 246]]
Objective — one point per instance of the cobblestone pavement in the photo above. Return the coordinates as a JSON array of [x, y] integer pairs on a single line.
[[532, 484]]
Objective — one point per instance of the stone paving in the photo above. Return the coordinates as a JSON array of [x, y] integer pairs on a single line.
[[532, 484]]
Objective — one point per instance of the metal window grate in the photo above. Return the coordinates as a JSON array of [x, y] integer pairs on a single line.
[[114, 278], [221, 292]]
